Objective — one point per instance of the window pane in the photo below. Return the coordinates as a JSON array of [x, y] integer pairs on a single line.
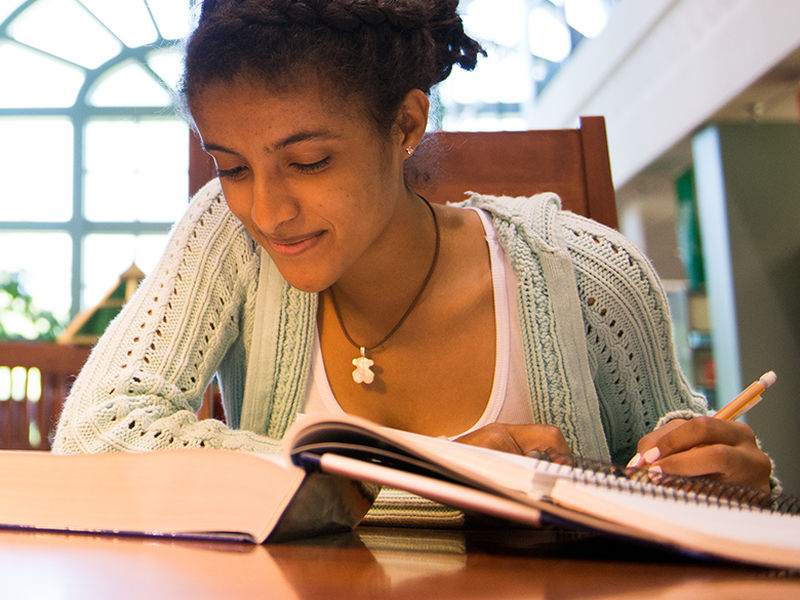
[[31, 79], [44, 262], [172, 18], [495, 79], [589, 17], [7, 7], [107, 256], [488, 22], [36, 168], [549, 35], [167, 64], [127, 19], [128, 84], [63, 28], [136, 170]]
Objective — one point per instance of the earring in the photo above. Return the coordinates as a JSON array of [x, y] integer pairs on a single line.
[[409, 150]]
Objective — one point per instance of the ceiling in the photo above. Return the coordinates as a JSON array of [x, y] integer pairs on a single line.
[[774, 97]]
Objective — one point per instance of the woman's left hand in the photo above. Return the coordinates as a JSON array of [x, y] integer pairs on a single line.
[[703, 446]]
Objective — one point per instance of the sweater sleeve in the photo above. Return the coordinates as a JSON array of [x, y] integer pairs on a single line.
[[143, 383], [638, 379]]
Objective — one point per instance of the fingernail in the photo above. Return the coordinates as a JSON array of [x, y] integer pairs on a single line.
[[635, 461], [655, 474], [652, 455]]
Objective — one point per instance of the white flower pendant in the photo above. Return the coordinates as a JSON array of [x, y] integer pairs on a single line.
[[363, 373]]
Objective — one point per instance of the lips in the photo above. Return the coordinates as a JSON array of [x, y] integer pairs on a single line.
[[295, 245]]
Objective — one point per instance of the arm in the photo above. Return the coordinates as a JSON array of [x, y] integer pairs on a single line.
[[143, 383], [628, 331], [645, 399]]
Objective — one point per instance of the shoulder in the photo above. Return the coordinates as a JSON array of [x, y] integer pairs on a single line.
[[602, 253], [530, 217], [540, 222], [535, 226]]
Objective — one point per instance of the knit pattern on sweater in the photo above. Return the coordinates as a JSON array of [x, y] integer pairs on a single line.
[[628, 331], [195, 315], [143, 383]]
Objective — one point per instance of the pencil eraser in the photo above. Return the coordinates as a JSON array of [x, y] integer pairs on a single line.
[[768, 378]]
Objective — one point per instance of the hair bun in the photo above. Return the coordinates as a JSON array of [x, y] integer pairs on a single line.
[[453, 45]]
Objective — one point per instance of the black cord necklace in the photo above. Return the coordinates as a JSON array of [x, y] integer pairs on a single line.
[[363, 373]]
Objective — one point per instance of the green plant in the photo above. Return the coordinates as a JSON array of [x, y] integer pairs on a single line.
[[20, 319]]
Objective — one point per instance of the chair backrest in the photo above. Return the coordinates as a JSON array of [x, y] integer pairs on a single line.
[[34, 381], [572, 163]]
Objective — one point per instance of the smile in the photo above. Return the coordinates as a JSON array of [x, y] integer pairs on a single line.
[[295, 245]]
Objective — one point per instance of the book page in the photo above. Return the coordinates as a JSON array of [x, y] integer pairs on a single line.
[[492, 469], [191, 492]]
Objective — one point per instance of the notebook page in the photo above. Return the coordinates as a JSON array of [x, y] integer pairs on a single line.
[[737, 533]]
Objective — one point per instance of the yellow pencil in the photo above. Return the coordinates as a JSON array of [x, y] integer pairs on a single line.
[[748, 398]]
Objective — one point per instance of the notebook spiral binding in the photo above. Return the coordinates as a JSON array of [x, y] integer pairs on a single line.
[[699, 490]]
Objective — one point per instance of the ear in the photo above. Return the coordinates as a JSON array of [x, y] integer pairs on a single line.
[[412, 120]]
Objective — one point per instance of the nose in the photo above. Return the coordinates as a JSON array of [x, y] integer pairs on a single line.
[[272, 205]]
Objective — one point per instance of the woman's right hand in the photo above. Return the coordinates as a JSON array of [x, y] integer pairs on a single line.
[[521, 439]]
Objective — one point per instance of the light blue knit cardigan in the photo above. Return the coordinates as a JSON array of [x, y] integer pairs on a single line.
[[596, 337]]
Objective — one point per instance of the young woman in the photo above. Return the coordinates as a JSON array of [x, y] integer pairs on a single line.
[[310, 277]]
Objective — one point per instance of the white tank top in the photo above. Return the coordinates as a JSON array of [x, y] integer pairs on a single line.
[[508, 401]]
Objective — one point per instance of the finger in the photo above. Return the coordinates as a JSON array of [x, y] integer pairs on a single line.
[[494, 436], [730, 464], [540, 438], [651, 440], [684, 435], [705, 431], [519, 439]]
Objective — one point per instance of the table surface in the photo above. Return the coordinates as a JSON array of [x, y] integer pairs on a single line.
[[369, 563]]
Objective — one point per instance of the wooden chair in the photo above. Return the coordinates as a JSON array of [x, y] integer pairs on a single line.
[[573, 163], [35, 378]]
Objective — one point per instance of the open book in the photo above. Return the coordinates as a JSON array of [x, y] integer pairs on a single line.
[[317, 486], [693, 516]]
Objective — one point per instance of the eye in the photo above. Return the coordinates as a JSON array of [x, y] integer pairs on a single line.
[[235, 173], [310, 168]]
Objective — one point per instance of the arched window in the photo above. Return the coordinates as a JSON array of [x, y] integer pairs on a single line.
[[93, 159], [95, 164]]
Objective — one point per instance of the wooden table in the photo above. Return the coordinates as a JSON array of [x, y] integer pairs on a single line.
[[370, 563]]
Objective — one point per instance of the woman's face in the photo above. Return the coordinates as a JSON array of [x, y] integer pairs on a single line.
[[309, 177]]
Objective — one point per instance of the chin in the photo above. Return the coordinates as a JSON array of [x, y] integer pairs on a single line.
[[306, 284], [310, 288]]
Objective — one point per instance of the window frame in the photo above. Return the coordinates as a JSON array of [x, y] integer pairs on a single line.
[[78, 227]]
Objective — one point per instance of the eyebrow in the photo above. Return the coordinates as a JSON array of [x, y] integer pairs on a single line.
[[295, 138], [304, 136]]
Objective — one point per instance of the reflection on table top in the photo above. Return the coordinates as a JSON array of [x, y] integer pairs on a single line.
[[369, 563]]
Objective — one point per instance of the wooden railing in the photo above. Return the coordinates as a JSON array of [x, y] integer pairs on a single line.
[[35, 378]]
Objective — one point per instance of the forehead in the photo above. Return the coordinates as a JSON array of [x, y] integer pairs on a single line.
[[243, 105]]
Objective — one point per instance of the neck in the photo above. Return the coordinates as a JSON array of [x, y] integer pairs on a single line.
[[375, 294]]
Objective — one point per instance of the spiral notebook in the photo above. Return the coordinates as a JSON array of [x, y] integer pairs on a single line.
[[702, 518]]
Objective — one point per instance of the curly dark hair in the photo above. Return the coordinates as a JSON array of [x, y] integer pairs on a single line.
[[378, 50]]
